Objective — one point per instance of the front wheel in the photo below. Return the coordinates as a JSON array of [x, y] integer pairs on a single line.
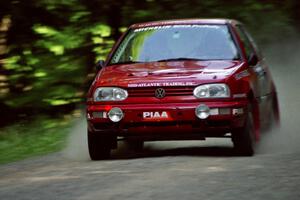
[[99, 146], [243, 139]]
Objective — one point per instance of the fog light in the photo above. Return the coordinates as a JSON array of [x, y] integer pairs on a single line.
[[202, 111], [115, 114]]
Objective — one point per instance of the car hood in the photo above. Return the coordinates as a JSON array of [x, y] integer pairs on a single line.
[[179, 73]]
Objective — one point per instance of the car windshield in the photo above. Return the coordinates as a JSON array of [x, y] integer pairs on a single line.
[[176, 42]]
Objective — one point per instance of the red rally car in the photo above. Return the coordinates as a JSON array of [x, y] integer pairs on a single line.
[[181, 80]]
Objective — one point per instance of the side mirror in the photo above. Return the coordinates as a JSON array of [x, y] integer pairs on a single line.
[[253, 59], [100, 65]]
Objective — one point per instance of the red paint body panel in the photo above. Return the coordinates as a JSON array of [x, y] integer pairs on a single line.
[[188, 71], [248, 89]]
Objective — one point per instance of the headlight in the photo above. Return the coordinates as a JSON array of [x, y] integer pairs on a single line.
[[212, 91], [110, 94]]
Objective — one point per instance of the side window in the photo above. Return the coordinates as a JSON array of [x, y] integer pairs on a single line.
[[246, 40], [254, 45]]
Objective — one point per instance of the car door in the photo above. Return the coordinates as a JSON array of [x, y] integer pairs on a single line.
[[261, 78]]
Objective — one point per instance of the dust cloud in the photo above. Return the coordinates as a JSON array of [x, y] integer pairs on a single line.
[[284, 63], [77, 148]]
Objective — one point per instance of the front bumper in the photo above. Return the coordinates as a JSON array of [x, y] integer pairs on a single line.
[[183, 124]]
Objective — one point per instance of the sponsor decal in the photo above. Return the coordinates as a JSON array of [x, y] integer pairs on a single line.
[[164, 84], [155, 27], [156, 115]]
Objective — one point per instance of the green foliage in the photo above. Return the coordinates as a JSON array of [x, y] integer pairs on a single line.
[[53, 45], [42, 65], [25, 139]]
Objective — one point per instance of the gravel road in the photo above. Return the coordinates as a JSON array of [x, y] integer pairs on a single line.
[[172, 170], [163, 171]]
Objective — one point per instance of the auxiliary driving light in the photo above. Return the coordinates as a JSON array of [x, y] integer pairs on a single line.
[[202, 111], [115, 114]]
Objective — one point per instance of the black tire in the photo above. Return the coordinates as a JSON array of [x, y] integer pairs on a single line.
[[244, 139], [99, 146], [136, 145]]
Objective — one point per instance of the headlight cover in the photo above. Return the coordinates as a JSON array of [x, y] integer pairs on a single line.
[[217, 90], [110, 94]]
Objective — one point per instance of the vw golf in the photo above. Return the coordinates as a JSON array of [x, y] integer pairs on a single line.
[[181, 80]]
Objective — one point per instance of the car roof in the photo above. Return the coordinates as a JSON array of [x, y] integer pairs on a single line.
[[184, 22]]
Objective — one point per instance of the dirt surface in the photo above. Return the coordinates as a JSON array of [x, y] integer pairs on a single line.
[[162, 171], [174, 170]]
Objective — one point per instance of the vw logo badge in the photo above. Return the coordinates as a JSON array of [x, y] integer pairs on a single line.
[[160, 93]]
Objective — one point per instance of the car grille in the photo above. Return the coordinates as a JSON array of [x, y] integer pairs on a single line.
[[170, 91]]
